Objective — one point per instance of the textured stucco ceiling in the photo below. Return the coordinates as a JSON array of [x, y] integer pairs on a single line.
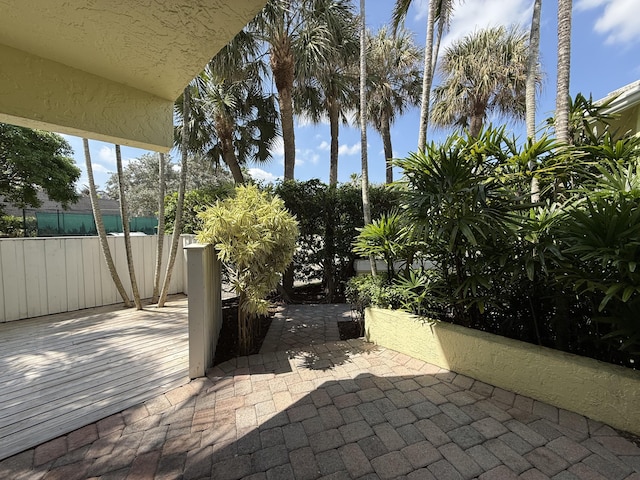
[[144, 48]]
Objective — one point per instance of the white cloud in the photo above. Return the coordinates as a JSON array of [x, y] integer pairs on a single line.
[[263, 176], [100, 168], [107, 154], [324, 146], [349, 150], [618, 21], [307, 156], [472, 16]]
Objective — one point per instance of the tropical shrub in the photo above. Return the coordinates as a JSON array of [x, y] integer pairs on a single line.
[[328, 219], [255, 237], [195, 201], [560, 273]]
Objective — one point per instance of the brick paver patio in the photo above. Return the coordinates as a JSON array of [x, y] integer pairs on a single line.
[[333, 410]]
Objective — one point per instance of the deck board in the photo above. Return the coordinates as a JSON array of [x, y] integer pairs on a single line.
[[61, 372]]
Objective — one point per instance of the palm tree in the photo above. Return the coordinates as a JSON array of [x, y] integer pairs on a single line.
[[394, 83], [440, 12], [301, 36], [330, 89], [102, 234], [231, 117], [564, 69], [177, 225], [124, 214], [530, 88], [245, 122], [366, 206], [244, 118], [161, 193], [484, 73]]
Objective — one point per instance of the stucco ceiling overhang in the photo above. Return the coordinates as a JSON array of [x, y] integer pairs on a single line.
[[108, 69]]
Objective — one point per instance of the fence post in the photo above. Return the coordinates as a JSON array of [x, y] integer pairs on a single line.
[[205, 306]]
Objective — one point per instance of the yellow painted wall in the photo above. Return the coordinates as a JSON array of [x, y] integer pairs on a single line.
[[598, 390]]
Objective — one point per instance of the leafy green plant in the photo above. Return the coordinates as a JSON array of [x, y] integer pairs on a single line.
[[255, 237], [388, 239], [195, 201]]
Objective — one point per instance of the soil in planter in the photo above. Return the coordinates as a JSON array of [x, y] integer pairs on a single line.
[[228, 347], [350, 329]]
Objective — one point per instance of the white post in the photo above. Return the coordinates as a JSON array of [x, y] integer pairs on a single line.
[[205, 306]]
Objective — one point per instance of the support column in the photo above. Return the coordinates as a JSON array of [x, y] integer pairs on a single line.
[[205, 306]]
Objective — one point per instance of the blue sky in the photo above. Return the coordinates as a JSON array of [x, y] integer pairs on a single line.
[[604, 57]]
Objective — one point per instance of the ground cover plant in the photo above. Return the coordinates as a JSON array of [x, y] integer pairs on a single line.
[[474, 250]]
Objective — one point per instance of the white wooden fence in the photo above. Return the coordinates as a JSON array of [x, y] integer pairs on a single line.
[[41, 276]]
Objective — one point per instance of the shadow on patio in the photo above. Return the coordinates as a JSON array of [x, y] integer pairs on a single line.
[[364, 412]]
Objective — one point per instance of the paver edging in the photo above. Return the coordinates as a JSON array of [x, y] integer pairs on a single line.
[[598, 390]]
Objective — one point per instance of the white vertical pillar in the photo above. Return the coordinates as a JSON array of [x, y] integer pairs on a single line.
[[205, 306]]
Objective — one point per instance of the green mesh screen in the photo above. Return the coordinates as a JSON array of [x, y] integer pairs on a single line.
[[65, 223]]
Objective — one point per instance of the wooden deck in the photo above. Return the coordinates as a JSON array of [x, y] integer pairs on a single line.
[[61, 372]]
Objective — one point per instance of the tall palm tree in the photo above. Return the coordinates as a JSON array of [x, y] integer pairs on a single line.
[[439, 12], [331, 88], [564, 70], [530, 88], [160, 245], [301, 35], [484, 73], [102, 234], [394, 83], [177, 225], [124, 215], [366, 206]]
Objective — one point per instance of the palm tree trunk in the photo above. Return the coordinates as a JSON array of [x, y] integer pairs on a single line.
[[229, 157], [102, 234], [124, 214], [334, 121], [177, 224], [366, 207], [161, 191], [427, 78], [475, 124], [564, 69], [532, 73], [288, 136], [385, 132]]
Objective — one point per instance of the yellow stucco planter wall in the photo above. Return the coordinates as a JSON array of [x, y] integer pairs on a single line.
[[598, 390]]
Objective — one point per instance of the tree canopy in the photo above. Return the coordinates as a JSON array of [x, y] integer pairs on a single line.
[[141, 181], [33, 160]]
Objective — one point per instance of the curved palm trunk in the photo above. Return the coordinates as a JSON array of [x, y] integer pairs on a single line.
[[366, 207], [564, 69], [177, 225], [334, 120], [427, 78], [124, 214], [102, 234], [225, 133], [532, 71], [161, 191], [229, 157], [385, 133]]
